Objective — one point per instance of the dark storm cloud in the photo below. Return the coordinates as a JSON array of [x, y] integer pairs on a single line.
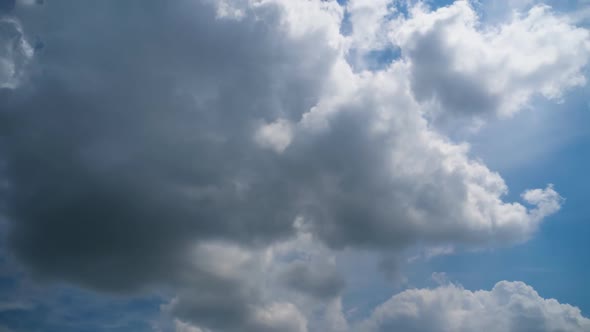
[[134, 137], [7, 5]]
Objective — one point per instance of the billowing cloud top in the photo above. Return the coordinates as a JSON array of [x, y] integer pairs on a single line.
[[509, 306], [219, 147]]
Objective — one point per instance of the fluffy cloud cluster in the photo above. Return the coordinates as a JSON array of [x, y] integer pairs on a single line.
[[183, 144], [466, 69], [509, 306]]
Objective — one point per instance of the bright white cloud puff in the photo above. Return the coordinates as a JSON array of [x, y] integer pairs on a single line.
[[509, 306]]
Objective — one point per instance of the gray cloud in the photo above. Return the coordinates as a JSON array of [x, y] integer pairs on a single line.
[[7, 5], [434, 78], [234, 311], [119, 157], [323, 282], [226, 288]]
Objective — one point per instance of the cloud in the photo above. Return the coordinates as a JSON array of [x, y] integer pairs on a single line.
[[226, 150], [224, 290], [15, 52], [276, 136], [547, 201], [317, 281], [509, 306], [15, 306], [368, 19], [184, 327], [469, 69], [7, 5], [157, 150], [277, 288]]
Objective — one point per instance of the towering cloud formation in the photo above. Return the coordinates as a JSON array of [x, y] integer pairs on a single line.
[[185, 143]]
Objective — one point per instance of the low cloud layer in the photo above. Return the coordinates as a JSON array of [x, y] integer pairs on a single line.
[[509, 306], [192, 144]]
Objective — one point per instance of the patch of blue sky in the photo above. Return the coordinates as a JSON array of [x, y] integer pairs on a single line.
[[367, 286], [53, 308], [374, 59], [346, 25], [434, 4]]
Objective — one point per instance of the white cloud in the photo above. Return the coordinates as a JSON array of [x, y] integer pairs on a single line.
[[369, 19], [184, 327], [547, 201], [470, 69], [276, 136], [508, 307], [420, 185]]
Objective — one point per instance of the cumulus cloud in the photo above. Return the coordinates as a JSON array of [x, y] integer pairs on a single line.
[[233, 288], [466, 68], [227, 149], [368, 19], [509, 306]]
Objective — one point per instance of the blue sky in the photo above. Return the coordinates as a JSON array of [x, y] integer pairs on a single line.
[[552, 261], [294, 166]]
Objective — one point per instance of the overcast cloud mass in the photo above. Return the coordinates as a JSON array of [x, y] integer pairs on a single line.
[[228, 151]]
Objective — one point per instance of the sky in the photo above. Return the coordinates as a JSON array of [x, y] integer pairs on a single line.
[[294, 165]]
